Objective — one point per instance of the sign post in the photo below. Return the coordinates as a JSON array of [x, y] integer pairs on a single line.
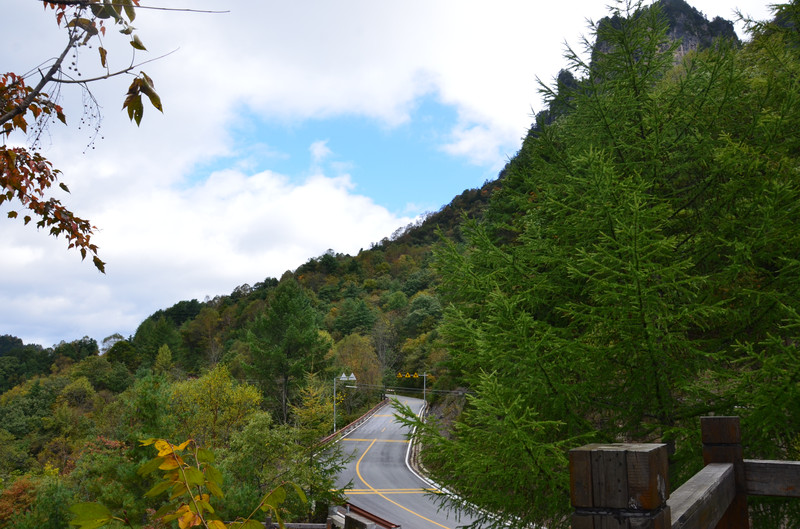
[[344, 378]]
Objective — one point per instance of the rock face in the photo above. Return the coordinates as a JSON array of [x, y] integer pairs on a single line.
[[692, 27], [686, 24]]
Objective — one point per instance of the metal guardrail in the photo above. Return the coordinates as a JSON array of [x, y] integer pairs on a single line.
[[353, 425], [377, 520], [349, 515]]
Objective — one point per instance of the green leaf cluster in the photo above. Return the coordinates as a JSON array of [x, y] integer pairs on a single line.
[[187, 474], [71, 427]]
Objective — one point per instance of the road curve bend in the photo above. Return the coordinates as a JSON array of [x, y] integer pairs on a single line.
[[382, 482]]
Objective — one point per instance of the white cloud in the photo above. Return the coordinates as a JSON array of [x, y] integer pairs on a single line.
[[477, 143], [171, 244], [319, 151], [170, 231]]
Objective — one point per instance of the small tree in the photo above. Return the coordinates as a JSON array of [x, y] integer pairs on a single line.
[[212, 407], [285, 343]]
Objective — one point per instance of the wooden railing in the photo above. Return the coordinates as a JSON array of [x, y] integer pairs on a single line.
[[626, 486]]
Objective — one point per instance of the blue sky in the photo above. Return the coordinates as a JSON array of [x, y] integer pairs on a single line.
[[288, 128], [403, 167]]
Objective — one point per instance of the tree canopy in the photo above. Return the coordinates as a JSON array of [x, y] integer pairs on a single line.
[[639, 267]]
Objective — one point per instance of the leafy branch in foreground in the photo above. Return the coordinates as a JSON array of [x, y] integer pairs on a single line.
[[27, 107], [191, 480]]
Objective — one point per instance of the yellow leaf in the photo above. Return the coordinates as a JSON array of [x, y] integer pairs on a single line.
[[189, 519], [164, 447], [171, 462], [129, 10], [216, 524]]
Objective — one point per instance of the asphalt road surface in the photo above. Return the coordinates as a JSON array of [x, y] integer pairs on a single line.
[[382, 482]]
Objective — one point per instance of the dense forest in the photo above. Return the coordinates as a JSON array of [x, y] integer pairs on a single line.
[[634, 267]]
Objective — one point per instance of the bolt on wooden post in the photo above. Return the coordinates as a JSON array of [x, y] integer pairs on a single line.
[[620, 486]]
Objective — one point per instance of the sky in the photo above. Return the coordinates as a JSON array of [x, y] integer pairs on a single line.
[[289, 128]]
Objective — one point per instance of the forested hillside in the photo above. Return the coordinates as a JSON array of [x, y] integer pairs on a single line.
[[248, 375], [634, 266], [637, 269]]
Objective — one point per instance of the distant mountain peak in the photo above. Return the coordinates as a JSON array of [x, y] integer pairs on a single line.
[[692, 28], [686, 24]]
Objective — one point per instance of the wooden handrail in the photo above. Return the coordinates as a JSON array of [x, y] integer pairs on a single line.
[[722, 443], [772, 478], [624, 485], [700, 502]]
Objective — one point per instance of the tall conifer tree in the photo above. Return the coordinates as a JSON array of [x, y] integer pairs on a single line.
[[285, 343], [639, 267]]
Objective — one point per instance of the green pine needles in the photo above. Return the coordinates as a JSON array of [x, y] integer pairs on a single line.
[[638, 268]]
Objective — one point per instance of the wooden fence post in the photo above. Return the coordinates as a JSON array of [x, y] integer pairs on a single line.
[[722, 443], [619, 486]]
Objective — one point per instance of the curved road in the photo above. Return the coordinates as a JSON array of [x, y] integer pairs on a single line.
[[382, 483]]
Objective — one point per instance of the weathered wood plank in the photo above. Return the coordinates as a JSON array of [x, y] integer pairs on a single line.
[[607, 522], [720, 430], [722, 443], [582, 521], [610, 476], [619, 486], [700, 502], [580, 475], [662, 520], [772, 478], [648, 471]]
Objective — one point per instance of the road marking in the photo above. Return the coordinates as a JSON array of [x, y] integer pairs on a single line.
[[389, 491], [375, 491], [384, 415], [375, 440]]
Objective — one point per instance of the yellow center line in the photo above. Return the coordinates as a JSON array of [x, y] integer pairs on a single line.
[[390, 491], [375, 491]]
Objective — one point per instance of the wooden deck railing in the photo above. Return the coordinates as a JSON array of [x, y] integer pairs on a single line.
[[626, 486]]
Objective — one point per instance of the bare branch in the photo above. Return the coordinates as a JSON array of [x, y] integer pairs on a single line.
[[46, 78], [109, 75], [87, 3]]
